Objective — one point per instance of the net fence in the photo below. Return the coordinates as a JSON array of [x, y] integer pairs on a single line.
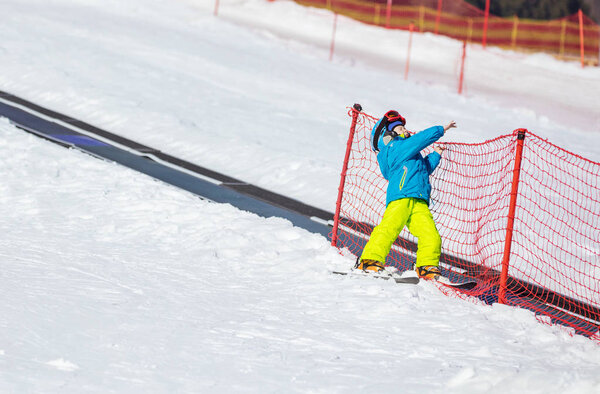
[[554, 262], [460, 20]]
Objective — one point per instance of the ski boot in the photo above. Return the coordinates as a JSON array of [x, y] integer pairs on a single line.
[[369, 265], [429, 272]]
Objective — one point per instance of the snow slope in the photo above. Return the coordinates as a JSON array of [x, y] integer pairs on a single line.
[[114, 282]]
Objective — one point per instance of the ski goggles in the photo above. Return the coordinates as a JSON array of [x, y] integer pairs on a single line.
[[394, 116]]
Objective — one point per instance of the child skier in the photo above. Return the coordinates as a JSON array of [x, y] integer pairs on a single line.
[[408, 192]]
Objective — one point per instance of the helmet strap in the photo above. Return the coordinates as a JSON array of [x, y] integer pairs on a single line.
[[389, 136], [380, 128]]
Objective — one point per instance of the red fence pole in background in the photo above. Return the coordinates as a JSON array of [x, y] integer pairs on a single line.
[[216, 7], [336, 218], [581, 48], [411, 27], [462, 68], [511, 215], [332, 47], [388, 14], [485, 22], [437, 17]]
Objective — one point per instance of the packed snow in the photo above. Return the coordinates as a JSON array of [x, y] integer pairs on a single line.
[[115, 282]]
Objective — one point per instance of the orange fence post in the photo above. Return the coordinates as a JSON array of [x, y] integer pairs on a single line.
[[582, 50], [485, 22], [411, 27], [332, 46], [563, 30], [356, 108], [515, 30], [437, 16], [511, 216], [216, 12], [388, 14], [376, 12], [462, 68], [470, 30]]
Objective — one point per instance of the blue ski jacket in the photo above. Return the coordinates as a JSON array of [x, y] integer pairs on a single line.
[[406, 170]]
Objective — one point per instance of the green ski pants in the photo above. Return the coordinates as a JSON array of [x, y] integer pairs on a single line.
[[415, 214]]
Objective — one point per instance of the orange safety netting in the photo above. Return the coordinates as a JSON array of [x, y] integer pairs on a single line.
[[462, 21], [553, 260]]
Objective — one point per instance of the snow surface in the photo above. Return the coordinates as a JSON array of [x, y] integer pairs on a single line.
[[114, 282]]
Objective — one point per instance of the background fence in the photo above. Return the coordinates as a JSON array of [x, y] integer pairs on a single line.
[[568, 37], [517, 213]]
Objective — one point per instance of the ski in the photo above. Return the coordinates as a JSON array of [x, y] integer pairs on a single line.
[[468, 285], [412, 280]]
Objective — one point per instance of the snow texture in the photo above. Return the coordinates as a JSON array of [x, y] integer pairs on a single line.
[[115, 282]]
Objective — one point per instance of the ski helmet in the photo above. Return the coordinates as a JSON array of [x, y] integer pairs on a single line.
[[391, 118]]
